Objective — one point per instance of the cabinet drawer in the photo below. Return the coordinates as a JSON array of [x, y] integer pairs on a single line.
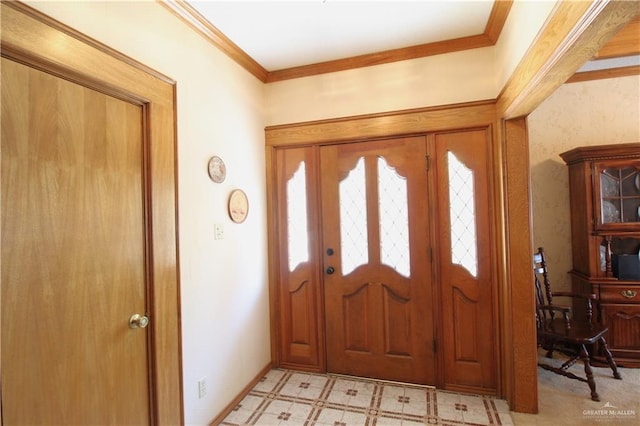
[[620, 294]]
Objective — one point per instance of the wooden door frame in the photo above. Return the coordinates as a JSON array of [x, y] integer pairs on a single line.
[[34, 39], [573, 34], [422, 121]]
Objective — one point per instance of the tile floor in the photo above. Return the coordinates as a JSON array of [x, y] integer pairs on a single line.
[[285, 397]]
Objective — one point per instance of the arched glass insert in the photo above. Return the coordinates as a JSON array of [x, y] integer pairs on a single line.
[[463, 215], [394, 218], [353, 219], [297, 218]]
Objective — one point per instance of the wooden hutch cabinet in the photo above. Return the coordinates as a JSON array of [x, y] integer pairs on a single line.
[[604, 183]]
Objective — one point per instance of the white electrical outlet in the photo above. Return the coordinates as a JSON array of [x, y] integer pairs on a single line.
[[218, 231], [202, 387]]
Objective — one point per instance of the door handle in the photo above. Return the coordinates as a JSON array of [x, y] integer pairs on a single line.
[[330, 270], [138, 321]]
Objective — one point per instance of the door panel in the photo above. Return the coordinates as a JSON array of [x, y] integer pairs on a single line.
[[464, 260], [74, 257], [299, 324], [378, 291]]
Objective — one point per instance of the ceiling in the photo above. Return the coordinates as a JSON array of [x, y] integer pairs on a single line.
[[288, 34], [278, 40]]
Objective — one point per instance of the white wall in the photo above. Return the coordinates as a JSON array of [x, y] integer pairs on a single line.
[[521, 28], [225, 320], [433, 80], [465, 76], [598, 112]]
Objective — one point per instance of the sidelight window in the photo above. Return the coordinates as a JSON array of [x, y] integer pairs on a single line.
[[297, 218], [462, 214]]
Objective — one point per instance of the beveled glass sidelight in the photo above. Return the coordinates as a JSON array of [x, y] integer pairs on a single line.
[[394, 218], [462, 215], [297, 231], [354, 243]]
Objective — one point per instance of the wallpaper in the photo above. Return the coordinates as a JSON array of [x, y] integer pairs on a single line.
[[598, 112]]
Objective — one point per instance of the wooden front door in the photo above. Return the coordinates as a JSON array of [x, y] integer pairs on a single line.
[[377, 276], [75, 254]]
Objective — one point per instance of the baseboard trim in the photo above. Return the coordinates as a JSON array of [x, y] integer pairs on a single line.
[[229, 408]]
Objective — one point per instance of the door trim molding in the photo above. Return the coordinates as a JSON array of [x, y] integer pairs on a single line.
[[34, 39], [389, 124]]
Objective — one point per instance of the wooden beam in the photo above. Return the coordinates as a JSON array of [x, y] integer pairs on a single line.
[[625, 43], [572, 35], [575, 32]]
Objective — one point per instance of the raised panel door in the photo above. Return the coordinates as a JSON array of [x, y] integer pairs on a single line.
[[299, 320], [378, 291], [464, 257]]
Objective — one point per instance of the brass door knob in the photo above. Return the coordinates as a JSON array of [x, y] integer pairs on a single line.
[[138, 321]]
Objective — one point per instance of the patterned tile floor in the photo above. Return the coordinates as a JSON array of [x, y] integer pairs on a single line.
[[285, 397]]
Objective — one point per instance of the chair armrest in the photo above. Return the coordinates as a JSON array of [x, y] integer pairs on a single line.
[[578, 295], [563, 309]]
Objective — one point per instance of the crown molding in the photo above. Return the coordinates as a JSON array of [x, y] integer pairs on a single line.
[[608, 73], [385, 57], [497, 18], [198, 23]]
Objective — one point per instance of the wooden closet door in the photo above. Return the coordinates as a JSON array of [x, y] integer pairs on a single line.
[[377, 286], [464, 253], [74, 254]]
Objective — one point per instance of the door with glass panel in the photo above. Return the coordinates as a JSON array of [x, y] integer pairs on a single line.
[[299, 321], [464, 259], [377, 275]]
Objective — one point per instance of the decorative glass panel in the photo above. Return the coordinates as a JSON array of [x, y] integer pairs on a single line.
[[394, 218], [620, 191], [354, 245], [297, 218], [463, 215]]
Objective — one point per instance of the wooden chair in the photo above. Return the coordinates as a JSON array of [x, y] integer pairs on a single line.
[[558, 331]]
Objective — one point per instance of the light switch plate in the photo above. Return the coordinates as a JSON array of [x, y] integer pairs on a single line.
[[218, 231]]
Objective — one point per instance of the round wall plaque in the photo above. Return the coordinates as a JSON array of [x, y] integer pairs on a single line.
[[238, 206], [217, 169]]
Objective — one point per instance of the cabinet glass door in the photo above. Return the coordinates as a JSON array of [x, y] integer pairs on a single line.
[[618, 186]]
